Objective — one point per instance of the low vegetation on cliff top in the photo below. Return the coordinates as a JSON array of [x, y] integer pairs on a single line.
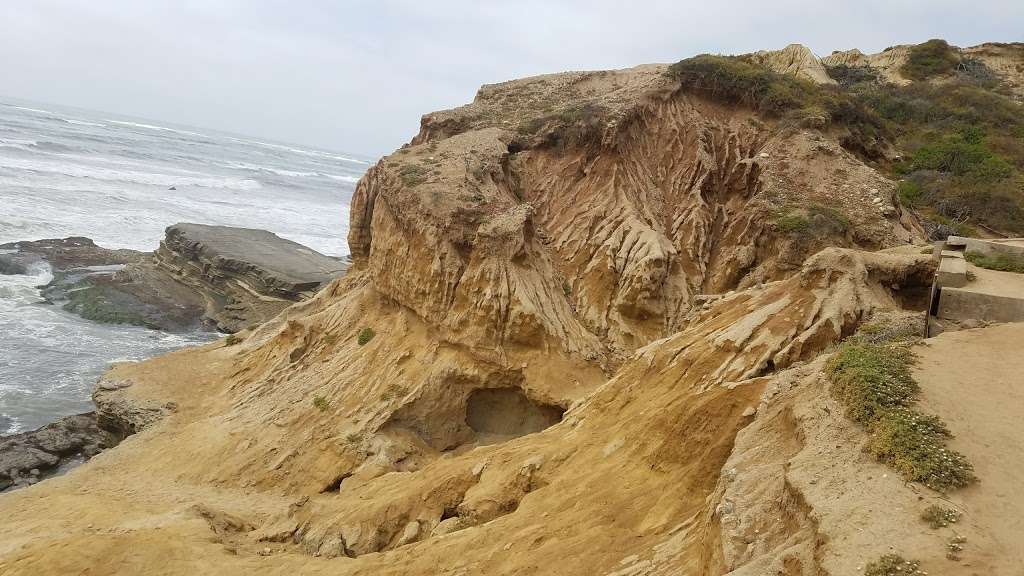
[[962, 138], [873, 382], [930, 59], [736, 80], [894, 565]]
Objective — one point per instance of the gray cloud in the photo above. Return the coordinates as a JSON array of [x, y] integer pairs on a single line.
[[357, 75]]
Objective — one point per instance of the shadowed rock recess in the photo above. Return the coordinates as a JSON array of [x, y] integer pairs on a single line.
[[594, 350]]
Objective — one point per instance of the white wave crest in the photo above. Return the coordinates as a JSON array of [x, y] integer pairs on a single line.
[[133, 176], [157, 128], [313, 153]]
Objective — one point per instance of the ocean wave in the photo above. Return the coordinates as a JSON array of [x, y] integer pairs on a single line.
[[349, 179], [313, 153], [82, 122], [56, 116], [36, 110], [291, 173], [157, 128], [21, 289], [9, 424], [111, 175], [35, 145]]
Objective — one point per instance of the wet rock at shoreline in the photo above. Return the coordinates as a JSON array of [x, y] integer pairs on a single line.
[[201, 277], [29, 457]]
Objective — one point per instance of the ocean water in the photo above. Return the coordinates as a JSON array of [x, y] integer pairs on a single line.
[[68, 172]]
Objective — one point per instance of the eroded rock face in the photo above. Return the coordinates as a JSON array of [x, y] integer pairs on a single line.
[[795, 60], [626, 202]]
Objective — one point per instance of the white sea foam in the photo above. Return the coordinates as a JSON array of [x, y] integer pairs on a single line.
[[313, 153], [157, 128], [292, 173], [111, 175], [82, 122], [36, 110], [65, 174]]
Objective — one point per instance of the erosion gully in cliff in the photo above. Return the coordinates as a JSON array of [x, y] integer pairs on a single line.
[[590, 351]]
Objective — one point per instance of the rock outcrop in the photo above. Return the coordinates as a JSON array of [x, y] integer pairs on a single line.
[[237, 277], [61, 254], [795, 60], [573, 315], [29, 457], [1004, 61], [201, 277]]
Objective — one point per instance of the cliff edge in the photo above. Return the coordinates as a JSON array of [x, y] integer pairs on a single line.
[[588, 329]]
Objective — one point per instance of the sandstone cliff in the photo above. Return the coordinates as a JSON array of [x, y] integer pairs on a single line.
[[578, 337]]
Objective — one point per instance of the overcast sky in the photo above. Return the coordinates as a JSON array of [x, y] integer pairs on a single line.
[[356, 76]]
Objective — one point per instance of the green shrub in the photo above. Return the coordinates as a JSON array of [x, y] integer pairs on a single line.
[[579, 124], [815, 220], [791, 223], [232, 339], [914, 445], [930, 59], [910, 193], [735, 80], [893, 565], [875, 386], [891, 328], [321, 403], [962, 140], [1001, 262], [849, 76], [938, 517], [962, 154], [870, 379], [413, 175], [365, 335]]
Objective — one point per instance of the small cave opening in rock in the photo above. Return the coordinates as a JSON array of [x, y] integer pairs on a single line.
[[913, 298], [335, 485], [498, 414]]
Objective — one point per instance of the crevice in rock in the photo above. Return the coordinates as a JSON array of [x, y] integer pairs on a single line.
[[335, 485]]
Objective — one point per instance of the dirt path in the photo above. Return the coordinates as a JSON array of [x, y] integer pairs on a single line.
[[974, 379]]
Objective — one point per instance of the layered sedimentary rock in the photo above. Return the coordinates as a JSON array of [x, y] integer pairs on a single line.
[[201, 277], [626, 197], [795, 60], [238, 277], [571, 315]]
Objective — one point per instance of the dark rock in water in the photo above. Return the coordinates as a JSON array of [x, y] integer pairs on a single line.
[[67, 253], [229, 278], [9, 265], [201, 277], [29, 457]]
